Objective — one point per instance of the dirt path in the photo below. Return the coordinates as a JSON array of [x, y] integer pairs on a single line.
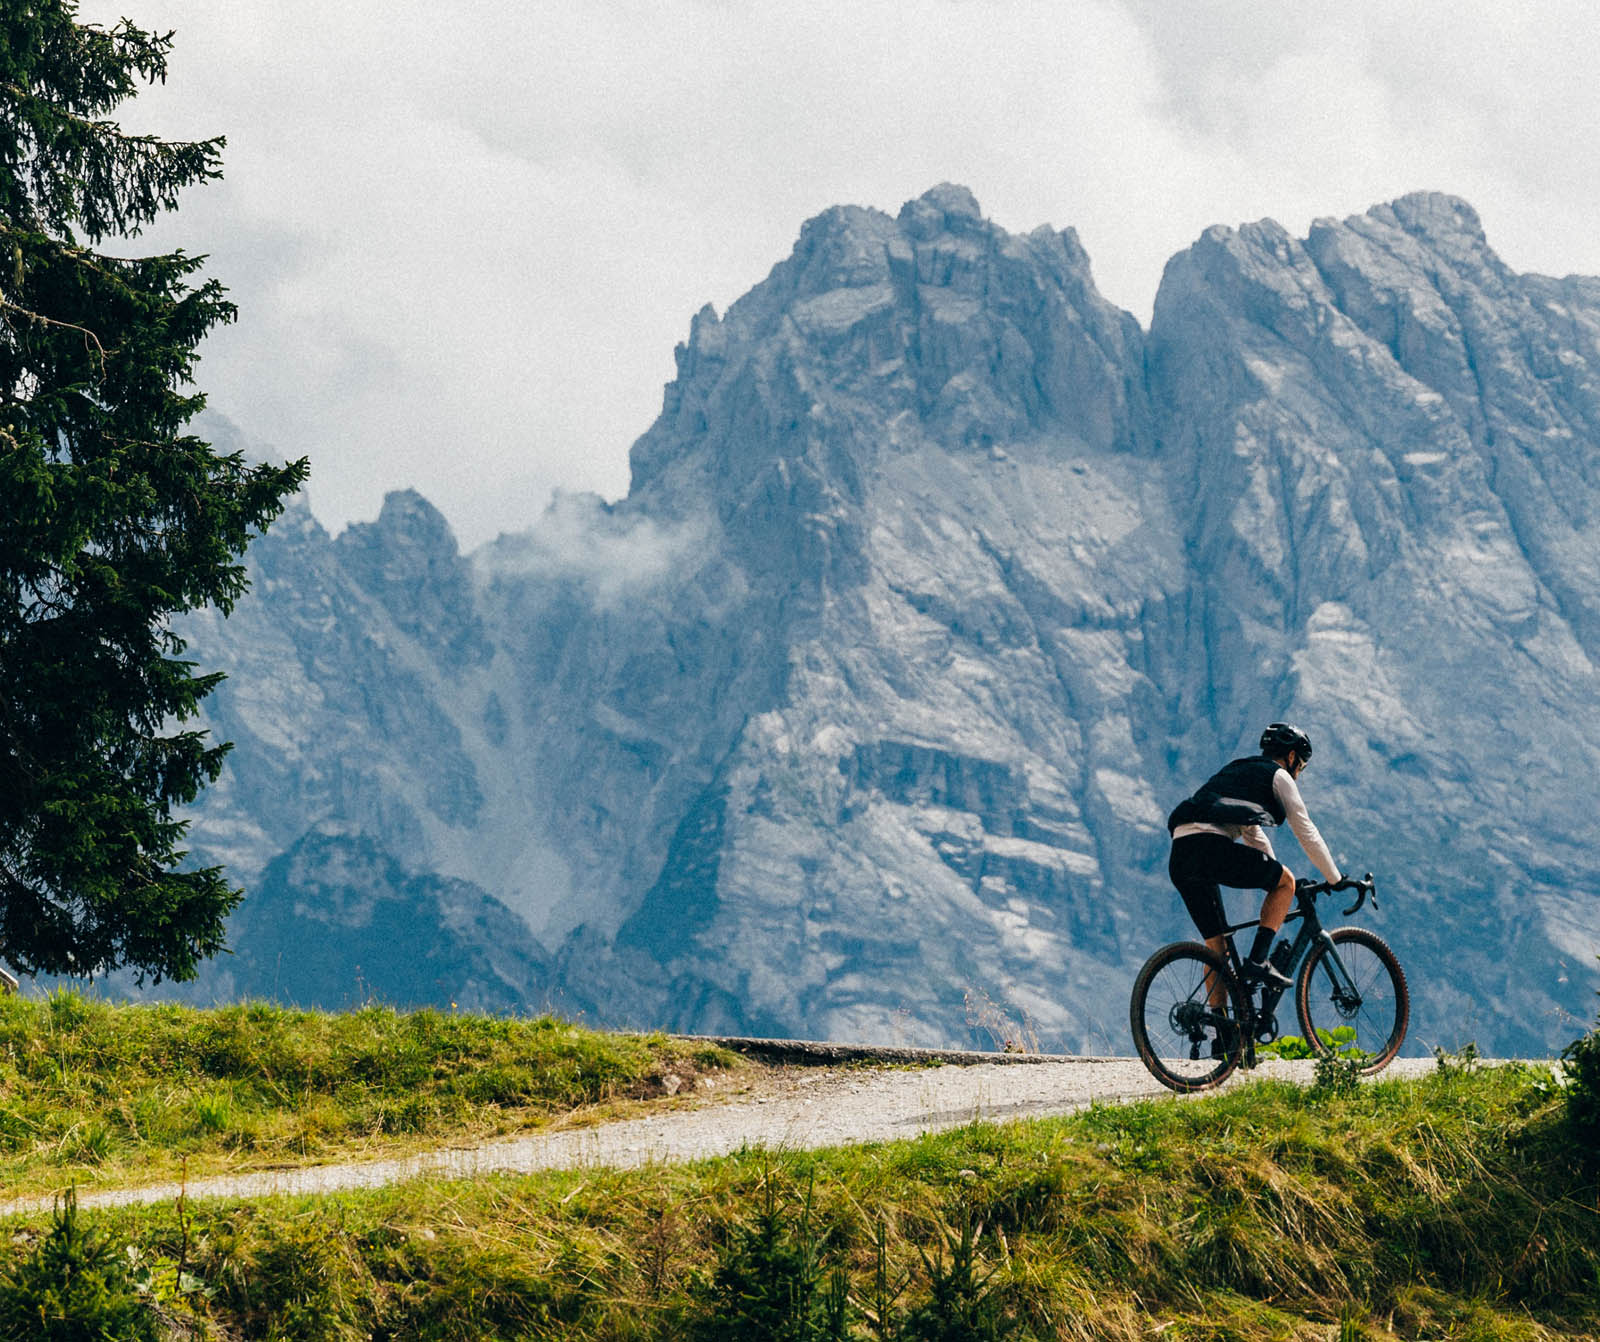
[[807, 1108]]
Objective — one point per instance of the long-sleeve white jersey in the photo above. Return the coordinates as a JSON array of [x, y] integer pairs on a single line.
[[1299, 820]]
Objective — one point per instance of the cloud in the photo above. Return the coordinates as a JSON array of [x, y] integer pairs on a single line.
[[581, 539], [465, 237]]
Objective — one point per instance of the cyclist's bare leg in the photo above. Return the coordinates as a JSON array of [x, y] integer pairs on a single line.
[[1275, 907], [1216, 993]]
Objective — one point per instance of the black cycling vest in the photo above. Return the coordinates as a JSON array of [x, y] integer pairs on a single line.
[[1239, 793]]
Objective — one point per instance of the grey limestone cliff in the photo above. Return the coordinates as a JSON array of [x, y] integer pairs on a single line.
[[939, 582]]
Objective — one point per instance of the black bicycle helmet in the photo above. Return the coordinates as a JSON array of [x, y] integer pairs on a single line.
[[1280, 738]]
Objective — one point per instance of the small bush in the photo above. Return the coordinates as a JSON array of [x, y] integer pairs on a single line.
[[74, 1287], [1335, 1076], [963, 1304], [1464, 1059], [1289, 1046], [68, 1009], [304, 1284], [1580, 1062], [770, 1284], [213, 1110], [90, 1142]]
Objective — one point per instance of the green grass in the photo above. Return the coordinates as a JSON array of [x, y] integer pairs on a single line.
[[103, 1094], [1452, 1207]]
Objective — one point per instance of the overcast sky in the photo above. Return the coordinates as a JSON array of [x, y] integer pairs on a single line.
[[465, 235]]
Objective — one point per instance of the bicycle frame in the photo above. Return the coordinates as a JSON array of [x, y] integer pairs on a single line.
[[1310, 933]]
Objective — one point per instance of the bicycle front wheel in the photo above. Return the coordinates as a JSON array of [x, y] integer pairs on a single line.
[[1183, 1014], [1352, 1000]]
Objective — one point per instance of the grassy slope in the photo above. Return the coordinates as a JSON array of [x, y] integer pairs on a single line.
[[1451, 1207], [108, 1094]]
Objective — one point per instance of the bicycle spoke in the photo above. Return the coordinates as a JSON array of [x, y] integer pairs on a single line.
[[1352, 1000], [1187, 1040]]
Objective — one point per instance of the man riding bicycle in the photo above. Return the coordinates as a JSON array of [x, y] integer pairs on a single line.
[[1218, 839]]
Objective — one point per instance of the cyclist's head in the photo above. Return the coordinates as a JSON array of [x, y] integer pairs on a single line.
[[1280, 739]]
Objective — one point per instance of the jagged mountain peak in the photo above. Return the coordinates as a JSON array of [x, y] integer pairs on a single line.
[[297, 521], [1433, 214], [949, 317], [946, 208], [406, 520], [950, 198], [939, 583], [408, 560], [1422, 231]]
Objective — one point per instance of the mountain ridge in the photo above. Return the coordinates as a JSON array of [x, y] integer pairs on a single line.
[[939, 581]]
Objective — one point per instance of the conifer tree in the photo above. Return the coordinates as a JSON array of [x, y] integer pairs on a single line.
[[113, 518]]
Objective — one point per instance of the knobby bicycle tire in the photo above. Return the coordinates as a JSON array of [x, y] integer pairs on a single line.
[[1174, 975], [1314, 995]]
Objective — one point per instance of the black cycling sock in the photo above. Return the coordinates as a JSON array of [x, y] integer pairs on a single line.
[[1262, 944]]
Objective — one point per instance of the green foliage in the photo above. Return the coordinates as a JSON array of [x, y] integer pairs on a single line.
[[112, 518], [1450, 1206], [1464, 1059], [963, 1304], [121, 1093], [1580, 1065], [881, 1305], [771, 1284], [319, 1293], [75, 1286], [1335, 1076], [1289, 1046], [1293, 1047], [1341, 1039]]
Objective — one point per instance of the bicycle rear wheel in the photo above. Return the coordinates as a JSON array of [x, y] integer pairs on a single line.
[[1361, 1013], [1187, 1042]]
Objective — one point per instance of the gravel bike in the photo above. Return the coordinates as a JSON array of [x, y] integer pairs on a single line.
[[1195, 1018]]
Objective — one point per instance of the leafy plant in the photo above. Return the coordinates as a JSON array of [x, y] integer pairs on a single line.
[[74, 1287], [883, 1316], [1454, 1063], [963, 1304], [771, 1285], [1580, 1064], [1335, 1076], [1289, 1046]]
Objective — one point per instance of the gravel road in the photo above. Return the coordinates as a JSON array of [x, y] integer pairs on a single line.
[[803, 1108]]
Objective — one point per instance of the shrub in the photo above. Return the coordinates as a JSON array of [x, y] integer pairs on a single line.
[[1464, 1059], [1580, 1061], [770, 1284], [1335, 1075], [1289, 1046], [74, 1287], [963, 1304]]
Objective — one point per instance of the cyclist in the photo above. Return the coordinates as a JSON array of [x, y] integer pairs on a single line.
[[1218, 839]]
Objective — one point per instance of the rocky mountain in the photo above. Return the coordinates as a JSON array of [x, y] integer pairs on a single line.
[[939, 582]]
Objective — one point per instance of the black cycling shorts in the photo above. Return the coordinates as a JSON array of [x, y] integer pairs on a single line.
[[1201, 863]]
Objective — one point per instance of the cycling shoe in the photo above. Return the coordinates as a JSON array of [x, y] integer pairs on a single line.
[[1261, 971]]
